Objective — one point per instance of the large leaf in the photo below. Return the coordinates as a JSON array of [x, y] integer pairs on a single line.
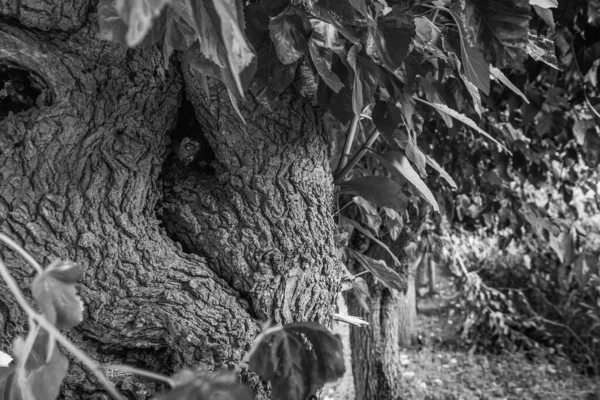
[[298, 359], [544, 3], [40, 377], [497, 74], [357, 88], [289, 33], [138, 15], [542, 49], [398, 165], [504, 25], [388, 277], [476, 68], [381, 191], [434, 164], [54, 290], [386, 117], [239, 52], [272, 76], [462, 118], [113, 26], [390, 39], [321, 58]]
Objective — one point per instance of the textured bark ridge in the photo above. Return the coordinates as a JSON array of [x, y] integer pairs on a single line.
[[80, 169], [376, 348]]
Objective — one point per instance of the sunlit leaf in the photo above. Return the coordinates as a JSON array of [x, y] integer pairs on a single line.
[[390, 40], [289, 33], [138, 15], [351, 320], [321, 58], [387, 276], [357, 89], [434, 164], [542, 49], [54, 290], [544, 3], [239, 52]]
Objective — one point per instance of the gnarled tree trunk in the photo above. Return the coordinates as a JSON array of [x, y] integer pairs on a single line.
[[182, 259]]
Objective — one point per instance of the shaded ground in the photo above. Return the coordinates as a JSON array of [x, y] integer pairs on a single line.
[[440, 369]]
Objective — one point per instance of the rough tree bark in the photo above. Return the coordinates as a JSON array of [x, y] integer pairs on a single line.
[[86, 165], [392, 325]]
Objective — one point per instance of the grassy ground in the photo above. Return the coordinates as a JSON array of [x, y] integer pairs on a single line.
[[442, 370]]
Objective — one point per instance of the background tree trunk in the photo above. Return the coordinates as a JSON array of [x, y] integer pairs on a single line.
[[86, 164], [392, 325]]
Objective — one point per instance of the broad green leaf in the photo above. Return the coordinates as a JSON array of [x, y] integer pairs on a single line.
[[178, 35], [433, 164], [386, 117], [547, 16], [357, 92], [387, 276], [368, 213], [542, 49], [433, 93], [360, 5], [368, 234], [198, 384], [476, 68], [272, 77], [544, 3], [361, 291], [381, 191], [40, 377], [415, 155], [208, 27], [398, 164], [504, 29], [112, 26], [298, 359], [138, 15], [497, 74], [321, 58], [239, 52], [390, 39], [462, 118], [289, 33], [54, 290]]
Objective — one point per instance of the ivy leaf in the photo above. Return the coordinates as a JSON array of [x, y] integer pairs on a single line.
[[462, 118], [388, 277], [381, 191], [138, 15], [361, 291], [544, 3], [368, 234], [542, 49], [289, 33], [321, 58], [239, 52], [54, 290], [504, 29], [298, 359], [198, 384], [398, 165], [390, 39]]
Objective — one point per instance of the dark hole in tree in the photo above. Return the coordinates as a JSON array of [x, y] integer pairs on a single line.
[[21, 90]]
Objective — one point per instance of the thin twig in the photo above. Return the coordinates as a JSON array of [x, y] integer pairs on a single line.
[[372, 138], [141, 372], [55, 333], [349, 141], [13, 245]]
